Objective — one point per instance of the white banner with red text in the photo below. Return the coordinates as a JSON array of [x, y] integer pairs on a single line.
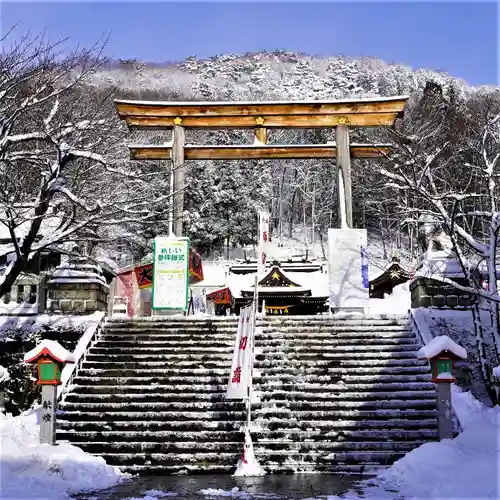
[[240, 378], [264, 239]]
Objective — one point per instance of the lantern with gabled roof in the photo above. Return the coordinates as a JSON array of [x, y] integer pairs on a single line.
[[50, 358], [442, 353]]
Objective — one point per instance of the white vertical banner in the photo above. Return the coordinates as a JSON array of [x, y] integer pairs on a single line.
[[264, 239], [241, 367]]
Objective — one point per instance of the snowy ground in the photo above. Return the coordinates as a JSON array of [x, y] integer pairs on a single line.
[[465, 467], [32, 470]]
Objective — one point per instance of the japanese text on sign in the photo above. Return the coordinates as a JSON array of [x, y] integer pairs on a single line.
[[170, 274]]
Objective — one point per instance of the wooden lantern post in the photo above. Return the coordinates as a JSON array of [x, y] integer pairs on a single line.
[[442, 353], [50, 358]]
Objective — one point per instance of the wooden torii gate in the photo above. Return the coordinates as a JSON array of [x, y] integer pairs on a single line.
[[260, 116]]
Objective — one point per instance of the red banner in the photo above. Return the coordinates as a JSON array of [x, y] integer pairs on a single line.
[[220, 296], [195, 267], [144, 276]]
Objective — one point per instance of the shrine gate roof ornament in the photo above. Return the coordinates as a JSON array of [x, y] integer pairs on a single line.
[[276, 278]]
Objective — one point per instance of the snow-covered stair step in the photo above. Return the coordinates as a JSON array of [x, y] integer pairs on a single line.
[[220, 376], [216, 405], [185, 335], [187, 369], [224, 416], [264, 396], [207, 375], [271, 449], [220, 386], [287, 426], [332, 351], [162, 360], [132, 364], [288, 467], [174, 345], [295, 436], [381, 457]]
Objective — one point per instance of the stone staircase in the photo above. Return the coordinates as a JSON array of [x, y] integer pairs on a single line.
[[342, 395]]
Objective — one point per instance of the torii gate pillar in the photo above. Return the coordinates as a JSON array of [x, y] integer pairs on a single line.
[[344, 190]]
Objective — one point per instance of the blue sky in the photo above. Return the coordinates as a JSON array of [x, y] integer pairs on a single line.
[[458, 37]]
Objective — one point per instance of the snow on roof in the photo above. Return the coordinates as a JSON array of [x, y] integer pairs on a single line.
[[439, 344], [214, 275], [253, 103], [439, 267], [52, 347], [315, 281]]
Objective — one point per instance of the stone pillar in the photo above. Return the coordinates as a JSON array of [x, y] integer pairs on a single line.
[[445, 415], [48, 414], [77, 287]]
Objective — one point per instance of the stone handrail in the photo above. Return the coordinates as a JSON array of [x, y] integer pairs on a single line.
[[421, 329], [70, 370]]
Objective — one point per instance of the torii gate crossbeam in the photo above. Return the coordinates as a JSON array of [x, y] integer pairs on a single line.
[[260, 116]]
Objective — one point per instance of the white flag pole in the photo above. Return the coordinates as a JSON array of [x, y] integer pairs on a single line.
[[252, 351]]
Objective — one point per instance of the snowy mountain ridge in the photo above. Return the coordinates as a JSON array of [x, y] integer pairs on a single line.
[[267, 75]]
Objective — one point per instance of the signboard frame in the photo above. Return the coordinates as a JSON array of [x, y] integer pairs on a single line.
[[186, 272]]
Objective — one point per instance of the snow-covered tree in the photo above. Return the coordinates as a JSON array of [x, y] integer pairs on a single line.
[[447, 157], [63, 168]]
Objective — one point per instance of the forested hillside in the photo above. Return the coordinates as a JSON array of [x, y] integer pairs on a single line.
[[222, 197]]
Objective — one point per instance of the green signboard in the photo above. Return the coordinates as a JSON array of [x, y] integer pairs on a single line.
[[170, 273]]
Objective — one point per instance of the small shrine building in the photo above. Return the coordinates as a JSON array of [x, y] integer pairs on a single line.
[[301, 291]]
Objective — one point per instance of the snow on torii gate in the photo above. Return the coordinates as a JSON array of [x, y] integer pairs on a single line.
[[260, 116]]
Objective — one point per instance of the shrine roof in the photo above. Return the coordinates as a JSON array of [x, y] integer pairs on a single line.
[[314, 282]]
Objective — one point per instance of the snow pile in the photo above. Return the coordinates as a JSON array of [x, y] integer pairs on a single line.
[[44, 471], [235, 492], [466, 407], [154, 495], [248, 466], [439, 344], [398, 302], [465, 467], [4, 375], [21, 326]]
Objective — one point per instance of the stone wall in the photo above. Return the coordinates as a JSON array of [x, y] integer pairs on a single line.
[[427, 292]]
